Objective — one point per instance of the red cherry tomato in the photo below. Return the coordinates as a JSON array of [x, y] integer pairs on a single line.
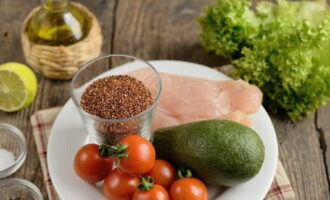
[[188, 188], [141, 155], [157, 192], [90, 165], [163, 173], [119, 186]]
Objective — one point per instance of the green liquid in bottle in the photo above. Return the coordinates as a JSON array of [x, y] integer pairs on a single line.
[[58, 23]]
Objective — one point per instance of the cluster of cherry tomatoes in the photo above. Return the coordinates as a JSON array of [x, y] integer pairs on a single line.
[[131, 172]]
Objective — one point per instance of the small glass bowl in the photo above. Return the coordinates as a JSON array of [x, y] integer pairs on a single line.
[[12, 140], [15, 188]]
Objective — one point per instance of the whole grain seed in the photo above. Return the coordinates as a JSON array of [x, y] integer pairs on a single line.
[[116, 97], [112, 132]]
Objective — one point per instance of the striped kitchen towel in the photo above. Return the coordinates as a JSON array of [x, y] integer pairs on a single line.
[[42, 122]]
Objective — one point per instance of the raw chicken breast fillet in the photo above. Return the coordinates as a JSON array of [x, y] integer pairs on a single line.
[[186, 99]]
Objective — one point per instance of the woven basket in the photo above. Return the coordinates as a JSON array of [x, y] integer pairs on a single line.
[[62, 62]]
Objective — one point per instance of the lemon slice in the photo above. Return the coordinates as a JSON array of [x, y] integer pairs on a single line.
[[18, 86]]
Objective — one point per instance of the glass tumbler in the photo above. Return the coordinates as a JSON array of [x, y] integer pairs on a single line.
[[109, 131]]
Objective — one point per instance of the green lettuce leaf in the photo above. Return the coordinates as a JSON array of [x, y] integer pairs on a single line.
[[228, 26]]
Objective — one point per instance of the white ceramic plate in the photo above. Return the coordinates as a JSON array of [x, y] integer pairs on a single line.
[[68, 135]]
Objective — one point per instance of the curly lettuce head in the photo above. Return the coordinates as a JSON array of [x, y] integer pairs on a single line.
[[285, 52]]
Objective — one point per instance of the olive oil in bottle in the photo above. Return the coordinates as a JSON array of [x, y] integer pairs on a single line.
[[58, 23]]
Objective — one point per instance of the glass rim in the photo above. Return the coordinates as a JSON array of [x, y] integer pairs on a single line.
[[84, 66], [23, 152], [28, 186]]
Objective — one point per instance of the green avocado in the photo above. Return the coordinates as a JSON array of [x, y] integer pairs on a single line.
[[220, 152]]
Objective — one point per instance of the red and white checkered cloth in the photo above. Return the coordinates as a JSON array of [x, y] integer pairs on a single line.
[[42, 122]]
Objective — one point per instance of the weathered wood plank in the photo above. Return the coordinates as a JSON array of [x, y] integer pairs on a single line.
[[302, 157], [12, 15], [51, 93], [156, 29], [323, 125]]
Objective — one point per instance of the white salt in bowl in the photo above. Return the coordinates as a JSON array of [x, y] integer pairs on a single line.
[[13, 149]]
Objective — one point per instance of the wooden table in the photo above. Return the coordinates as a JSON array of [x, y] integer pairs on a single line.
[[163, 29]]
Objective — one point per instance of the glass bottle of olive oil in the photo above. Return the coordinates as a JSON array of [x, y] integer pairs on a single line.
[[58, 23]]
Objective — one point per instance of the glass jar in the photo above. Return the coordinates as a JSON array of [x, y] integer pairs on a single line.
[[58, 23]]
